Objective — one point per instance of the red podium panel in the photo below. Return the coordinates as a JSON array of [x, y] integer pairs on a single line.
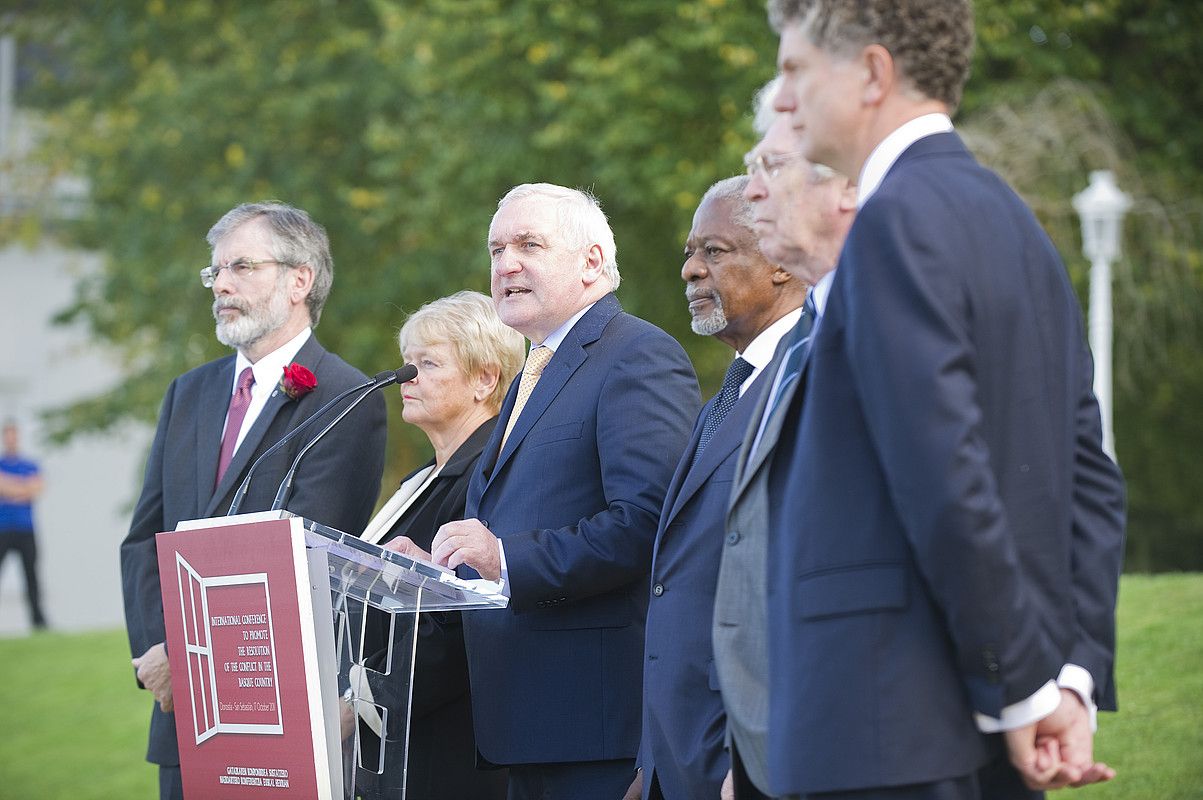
[[251, 678]]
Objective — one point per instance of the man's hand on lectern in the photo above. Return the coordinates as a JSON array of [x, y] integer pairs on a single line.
[[406, 547], [154, 672]]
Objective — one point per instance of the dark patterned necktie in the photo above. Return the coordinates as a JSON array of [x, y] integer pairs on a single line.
[[737, 373]]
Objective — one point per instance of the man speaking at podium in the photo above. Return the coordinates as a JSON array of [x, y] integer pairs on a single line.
[[270, 273], [564, 503]]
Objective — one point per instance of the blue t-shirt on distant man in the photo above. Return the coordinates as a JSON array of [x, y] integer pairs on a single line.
[[16, 515]]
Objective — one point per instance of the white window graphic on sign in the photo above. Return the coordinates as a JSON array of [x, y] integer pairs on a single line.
[[229, 643]]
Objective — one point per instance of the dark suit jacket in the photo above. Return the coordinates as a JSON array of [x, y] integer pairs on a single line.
[[336, 484], [950, 532], [442, 751], [575, 496], [683, 718]]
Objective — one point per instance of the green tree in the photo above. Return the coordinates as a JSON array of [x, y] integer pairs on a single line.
[[398, 123], [1132, 107]]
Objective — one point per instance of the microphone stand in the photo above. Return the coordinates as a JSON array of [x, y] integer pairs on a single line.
[[378, 380], [406, 373]]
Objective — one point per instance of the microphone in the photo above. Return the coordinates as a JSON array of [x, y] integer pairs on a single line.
[[404, 375], [378, 380]]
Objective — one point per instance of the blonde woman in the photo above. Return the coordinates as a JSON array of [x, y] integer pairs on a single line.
[[466, 359]]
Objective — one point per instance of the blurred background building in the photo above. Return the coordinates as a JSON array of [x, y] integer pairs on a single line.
[[91, 481]]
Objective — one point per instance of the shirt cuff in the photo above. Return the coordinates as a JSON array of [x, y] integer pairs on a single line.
[[1079, 680], [504, 580], [1025, 712]]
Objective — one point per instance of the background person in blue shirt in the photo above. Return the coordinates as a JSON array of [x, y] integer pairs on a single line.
[[20, 483]]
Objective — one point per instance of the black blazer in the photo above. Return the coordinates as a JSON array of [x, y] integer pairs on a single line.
[[336, 485], [442, 750]]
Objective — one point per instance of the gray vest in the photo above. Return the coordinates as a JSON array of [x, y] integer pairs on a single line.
[[740, 629]]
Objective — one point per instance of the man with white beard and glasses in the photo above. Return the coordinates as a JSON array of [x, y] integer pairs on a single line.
[[270, 273]]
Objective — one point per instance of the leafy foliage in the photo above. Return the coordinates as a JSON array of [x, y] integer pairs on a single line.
[[398, 123], [395, 124], [1132, 107]]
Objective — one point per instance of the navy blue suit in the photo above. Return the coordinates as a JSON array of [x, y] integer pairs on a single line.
[[336, 484], [575, 496], [949, 532], [683, 719]]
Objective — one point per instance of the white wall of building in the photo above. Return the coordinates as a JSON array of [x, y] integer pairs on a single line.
[[91, 483]]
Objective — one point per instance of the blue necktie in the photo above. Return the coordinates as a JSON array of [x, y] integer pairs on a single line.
[[737, 373], [797, 352]]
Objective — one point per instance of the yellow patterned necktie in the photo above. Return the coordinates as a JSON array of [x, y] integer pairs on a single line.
[[536, 360]]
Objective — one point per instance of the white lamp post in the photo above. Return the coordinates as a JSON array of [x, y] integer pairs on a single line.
[[1102, 206]]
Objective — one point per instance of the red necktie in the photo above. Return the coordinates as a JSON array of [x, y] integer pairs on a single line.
[[239, 403]]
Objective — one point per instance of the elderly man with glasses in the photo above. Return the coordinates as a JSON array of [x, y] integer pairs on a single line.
[[801, 213], [270, 274]]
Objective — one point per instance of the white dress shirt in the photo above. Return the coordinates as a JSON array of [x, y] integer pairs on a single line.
[[268, 371], [890, 148], [759, 351], [557, 337]]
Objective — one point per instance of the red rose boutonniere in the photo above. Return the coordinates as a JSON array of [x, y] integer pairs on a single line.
[[297, 382]]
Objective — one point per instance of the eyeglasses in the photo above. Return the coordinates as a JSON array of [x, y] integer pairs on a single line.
[[239, 268], [770, 165]]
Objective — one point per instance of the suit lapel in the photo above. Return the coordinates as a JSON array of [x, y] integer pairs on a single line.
[[749, 463], [555, 375], [727, 439], [773, 427], [566, 361], [460, 462], [488, 458], [387, 517], [671, 504], [211, 418]]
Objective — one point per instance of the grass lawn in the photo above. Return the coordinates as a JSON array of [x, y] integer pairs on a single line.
[[74, 721], [1155, 742], [74, 724]]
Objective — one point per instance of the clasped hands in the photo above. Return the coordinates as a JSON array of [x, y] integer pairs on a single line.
[[1058, 750], [466, 542], [1055, 752]]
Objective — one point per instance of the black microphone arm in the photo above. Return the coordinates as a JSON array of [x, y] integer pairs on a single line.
[[378, 379], [404, 375]]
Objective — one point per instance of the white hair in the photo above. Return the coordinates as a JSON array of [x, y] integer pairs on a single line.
[[732, 190], [581, 220], [763, 112]]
